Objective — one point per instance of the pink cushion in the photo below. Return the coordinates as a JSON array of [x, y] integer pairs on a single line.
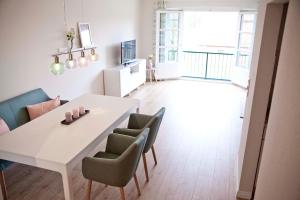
[[39, 109], [3, 127]]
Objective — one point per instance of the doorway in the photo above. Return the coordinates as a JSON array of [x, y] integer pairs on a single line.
[[276, 60], [205, 44], [260, 97]]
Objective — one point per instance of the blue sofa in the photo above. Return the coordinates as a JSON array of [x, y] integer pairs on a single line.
[[13, 111]]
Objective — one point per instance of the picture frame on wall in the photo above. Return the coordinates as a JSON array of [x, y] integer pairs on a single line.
[[85, 35]]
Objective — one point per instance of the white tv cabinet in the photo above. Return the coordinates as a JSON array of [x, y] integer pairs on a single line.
[[120, 81]]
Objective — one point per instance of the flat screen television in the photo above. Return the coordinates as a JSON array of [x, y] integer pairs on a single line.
[[128, 52]]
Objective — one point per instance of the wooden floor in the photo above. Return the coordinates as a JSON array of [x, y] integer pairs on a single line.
[[196, 148]]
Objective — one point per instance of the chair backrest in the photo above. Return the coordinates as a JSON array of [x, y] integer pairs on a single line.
[[13, 111], [154, 125], [130, 158]]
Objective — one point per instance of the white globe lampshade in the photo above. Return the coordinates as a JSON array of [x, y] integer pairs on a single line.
[[71, 62], [94, 56], [57, 68], [82, 61]]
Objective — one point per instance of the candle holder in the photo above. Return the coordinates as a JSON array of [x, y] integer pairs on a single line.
[[65, 122]]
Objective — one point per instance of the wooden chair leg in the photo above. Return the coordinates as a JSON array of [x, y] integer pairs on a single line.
[[154, 155], [137, 184], [145, 167], [122, 193], [89, 191], [3, 186]]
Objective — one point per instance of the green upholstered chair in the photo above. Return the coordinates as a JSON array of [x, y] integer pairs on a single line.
[[13, 111], [137, 123], [117, 165]]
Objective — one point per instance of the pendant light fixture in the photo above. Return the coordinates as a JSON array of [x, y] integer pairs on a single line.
[[71, 62], [57, 68], [82, 61], [93, 56]]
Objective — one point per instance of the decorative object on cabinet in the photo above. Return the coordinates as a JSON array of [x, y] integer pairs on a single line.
[[151, 70]]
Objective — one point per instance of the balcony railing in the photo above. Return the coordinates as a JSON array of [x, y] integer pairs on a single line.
[[207, 65]]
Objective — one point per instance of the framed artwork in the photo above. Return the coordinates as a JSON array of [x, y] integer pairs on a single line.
[[85, 35]]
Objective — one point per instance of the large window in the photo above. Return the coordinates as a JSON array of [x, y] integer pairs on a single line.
[[210, 31]]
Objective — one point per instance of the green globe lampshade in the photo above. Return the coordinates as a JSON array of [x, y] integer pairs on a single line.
[[57, 68], [93, 56], [71, 62], [82, 61]]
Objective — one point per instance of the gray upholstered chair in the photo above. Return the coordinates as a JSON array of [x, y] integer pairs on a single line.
[[117, 165], [137, 123]]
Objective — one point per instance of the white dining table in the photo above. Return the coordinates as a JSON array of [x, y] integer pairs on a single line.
[[48, 144]]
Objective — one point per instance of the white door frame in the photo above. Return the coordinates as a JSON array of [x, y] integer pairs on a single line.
[[240, 74]]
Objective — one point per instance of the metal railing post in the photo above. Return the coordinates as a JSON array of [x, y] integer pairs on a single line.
[[206, 65], [219, 64]]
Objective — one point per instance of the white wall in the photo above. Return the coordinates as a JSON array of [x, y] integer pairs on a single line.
[[147, 27], [280, 165], [257, 102], [32, 30]]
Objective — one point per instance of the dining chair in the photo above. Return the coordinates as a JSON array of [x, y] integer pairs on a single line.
[[117, 165], [137, 124]]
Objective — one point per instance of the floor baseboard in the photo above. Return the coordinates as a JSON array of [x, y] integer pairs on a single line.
[[244, 195]]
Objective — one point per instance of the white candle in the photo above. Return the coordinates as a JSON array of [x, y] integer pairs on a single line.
[[75, 113], [68, 116], [81, 110]]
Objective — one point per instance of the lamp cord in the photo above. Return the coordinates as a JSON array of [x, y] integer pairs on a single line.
[[82, 17], [65, 15]]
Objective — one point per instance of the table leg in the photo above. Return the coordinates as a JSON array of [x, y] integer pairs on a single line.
[[3, 191], [67, 184]]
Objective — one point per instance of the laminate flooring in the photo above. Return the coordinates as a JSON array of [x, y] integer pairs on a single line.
[[196, 148]]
